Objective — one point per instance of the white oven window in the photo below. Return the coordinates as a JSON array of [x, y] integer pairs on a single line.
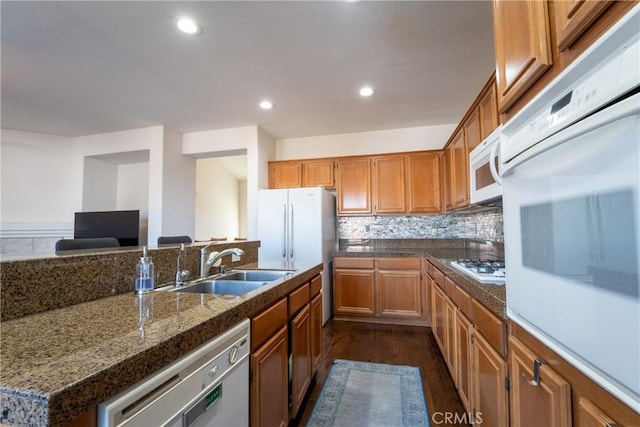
[[572, 245]]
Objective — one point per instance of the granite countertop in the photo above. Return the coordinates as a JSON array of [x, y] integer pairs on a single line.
[[440, 252], [60, 363]]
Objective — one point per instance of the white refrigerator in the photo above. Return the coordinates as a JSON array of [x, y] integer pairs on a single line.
[[298, 226]]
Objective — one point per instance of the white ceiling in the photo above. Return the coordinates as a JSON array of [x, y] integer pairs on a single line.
[[78, 68]]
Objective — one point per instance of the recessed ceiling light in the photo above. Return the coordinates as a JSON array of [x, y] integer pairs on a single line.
[[266, 105], [188, 25], [366, 91]]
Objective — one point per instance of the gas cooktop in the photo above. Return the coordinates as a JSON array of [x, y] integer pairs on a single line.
[[482, 270]]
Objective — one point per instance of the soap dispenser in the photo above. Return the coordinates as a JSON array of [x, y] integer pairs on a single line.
[[144, 269]]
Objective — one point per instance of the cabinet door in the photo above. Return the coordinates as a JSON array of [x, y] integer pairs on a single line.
[[399, 293], [353, 292], [489, 383], [354, 186], [389, 185], [315, 173], [464, 360], [488, 109], [460, 170], [423, 183], [301, 361], [472, 130], [450, 341], [522, 45], [438, 317], [589, 415], [269, 382], [545, 402], [449, 178], [285, 175], [316, 331], [573, 17]]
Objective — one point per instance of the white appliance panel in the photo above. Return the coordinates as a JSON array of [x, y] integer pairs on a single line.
[[297, 226], [571, 229], [272, 225], [305, 225]]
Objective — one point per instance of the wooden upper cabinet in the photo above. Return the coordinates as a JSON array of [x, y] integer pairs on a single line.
[[285, 174], [449, 178], [460, 170], [354, 186], [522, 45], [488, 109], [389, 184], [543, 399], [318, 172], [472, 130], [423, 183], [573, 17]]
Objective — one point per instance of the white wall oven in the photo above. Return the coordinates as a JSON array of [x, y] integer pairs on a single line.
[[570, 171], [485, 183]]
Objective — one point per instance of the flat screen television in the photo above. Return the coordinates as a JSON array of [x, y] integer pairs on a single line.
[[123, 225]]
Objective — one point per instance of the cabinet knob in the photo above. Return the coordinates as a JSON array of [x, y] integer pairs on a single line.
[[536, 373]]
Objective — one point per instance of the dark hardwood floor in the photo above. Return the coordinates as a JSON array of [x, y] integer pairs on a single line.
[[392, 344]]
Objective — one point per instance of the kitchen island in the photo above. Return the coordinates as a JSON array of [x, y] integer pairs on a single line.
[[60, 363]]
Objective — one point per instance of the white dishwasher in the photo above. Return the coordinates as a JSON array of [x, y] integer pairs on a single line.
[[207, 387]]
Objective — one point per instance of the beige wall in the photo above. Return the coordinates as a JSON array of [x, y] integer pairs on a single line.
[[384, 141]]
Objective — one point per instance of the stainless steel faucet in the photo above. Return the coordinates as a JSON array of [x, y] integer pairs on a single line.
[[207, 263], [180, 273]]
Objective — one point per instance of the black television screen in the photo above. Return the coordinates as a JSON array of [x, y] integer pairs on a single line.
[[123, 225]]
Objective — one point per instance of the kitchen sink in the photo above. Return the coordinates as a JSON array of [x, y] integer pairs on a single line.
[[255, 275], [236, 282], [221, 287]]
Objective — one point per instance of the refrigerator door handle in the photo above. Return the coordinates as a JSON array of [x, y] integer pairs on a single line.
[[291, 233], [284, 231]]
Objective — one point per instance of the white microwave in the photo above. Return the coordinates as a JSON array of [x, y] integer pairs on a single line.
[[485, 184], [571, 206]]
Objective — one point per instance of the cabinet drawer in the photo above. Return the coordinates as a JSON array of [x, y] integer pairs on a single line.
[[450, 288], [298, 298], [490, 326], [268, 322], [353, 263], [399, 263], [438, 277], [316, 285], [463, 301]]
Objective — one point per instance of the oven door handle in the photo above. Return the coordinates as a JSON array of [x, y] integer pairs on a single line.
[[492, 165]]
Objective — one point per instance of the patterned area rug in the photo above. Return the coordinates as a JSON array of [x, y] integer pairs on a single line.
[[370, 394]]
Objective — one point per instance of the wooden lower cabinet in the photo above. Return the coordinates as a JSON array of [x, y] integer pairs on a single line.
[[464, 360], [316, 332], [490, 392], [353, 292], [399, 293], [450, 331], [438, 317], [269, 382], [301, 360], [542, 398], [589, 415], [381, 290]]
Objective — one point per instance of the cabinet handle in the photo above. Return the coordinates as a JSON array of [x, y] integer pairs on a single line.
[[536, 374]]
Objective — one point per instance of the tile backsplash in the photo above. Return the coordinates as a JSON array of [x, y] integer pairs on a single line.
[[484, 225]]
